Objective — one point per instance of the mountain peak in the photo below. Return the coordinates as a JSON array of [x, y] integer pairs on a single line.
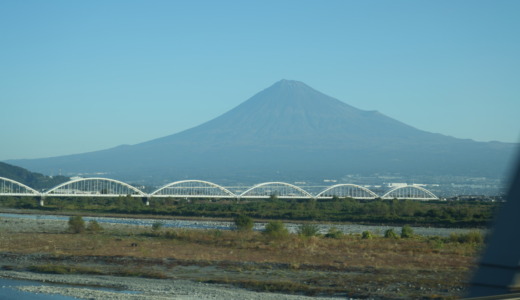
[[294, 85], [292, 110], [288, 82], [293, 129], [290, 91]]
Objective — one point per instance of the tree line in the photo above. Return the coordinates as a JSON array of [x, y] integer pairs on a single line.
[[439, 213]]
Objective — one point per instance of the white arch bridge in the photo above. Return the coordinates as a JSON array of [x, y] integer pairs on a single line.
[[105, 187]]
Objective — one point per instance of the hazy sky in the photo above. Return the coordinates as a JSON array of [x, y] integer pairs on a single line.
[[79, 76]]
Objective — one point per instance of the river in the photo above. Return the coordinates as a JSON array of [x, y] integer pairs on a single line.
[[223, 225], [9, 291]]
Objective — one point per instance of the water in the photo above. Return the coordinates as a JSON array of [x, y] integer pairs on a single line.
[[221, 225], [8, 291], [130, 221]]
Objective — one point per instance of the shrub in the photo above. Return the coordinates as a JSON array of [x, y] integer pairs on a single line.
[[76, 224], [243, 223], [308, 230], [390, 234], [406, 232], [172, 234], [51, 269], [157, 225], [276, 229], [334, 233], [472, 237], [93, 226], [217, 233], [63, 269], [436, 242], [367, 235]]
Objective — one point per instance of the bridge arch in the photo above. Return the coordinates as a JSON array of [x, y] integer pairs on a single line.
[[411, 192], [193, 189], [280, 189], [347, 190], [95, 186], [9, 187]]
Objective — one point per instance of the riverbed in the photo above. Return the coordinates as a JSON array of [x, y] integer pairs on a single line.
[[223, 225], [21, 285], [175, 286], [66, 287]]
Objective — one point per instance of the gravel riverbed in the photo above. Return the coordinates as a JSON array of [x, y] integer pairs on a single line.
[[177, 286], [87, 287], [91, 286]]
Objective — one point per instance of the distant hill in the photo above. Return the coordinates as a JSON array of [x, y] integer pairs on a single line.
[[289, 131], [36, 181]]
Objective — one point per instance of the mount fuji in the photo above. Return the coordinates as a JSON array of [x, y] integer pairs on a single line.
[[288, 131]]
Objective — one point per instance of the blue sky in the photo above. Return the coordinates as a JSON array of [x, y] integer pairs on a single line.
[[79, 76]]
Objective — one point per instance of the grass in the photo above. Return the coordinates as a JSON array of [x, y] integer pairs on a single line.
[[253, 247], [67, 269], [64, 269]]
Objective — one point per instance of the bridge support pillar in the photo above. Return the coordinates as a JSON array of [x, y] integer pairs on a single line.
[[41, 199], [146, 201]]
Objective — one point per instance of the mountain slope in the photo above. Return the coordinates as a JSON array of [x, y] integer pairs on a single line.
[[290, 130], [34, 180], [292, 110]]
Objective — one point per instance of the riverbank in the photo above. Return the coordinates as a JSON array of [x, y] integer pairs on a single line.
[[122, 254], [122, 288], [86, 286]]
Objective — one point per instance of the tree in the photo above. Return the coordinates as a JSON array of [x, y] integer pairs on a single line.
[[273, 197], [157, 225], [243, 223], [76, 224], [276, 229], [93, 226], [390, 234], [367, 235], [406, 231], [334, 233]]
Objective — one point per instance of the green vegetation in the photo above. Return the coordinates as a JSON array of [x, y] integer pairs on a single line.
[[390, 234], [367, 235], [243, 223], [406, 232], [94, 227], [308, 230], [157, 226], [34, 180], [66, 269], [472, 237], [76, 224], [276, 230], [334, 233], [397, 212]]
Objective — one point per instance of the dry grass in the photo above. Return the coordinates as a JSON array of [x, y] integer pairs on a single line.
[[350, 251], [312, 265]]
